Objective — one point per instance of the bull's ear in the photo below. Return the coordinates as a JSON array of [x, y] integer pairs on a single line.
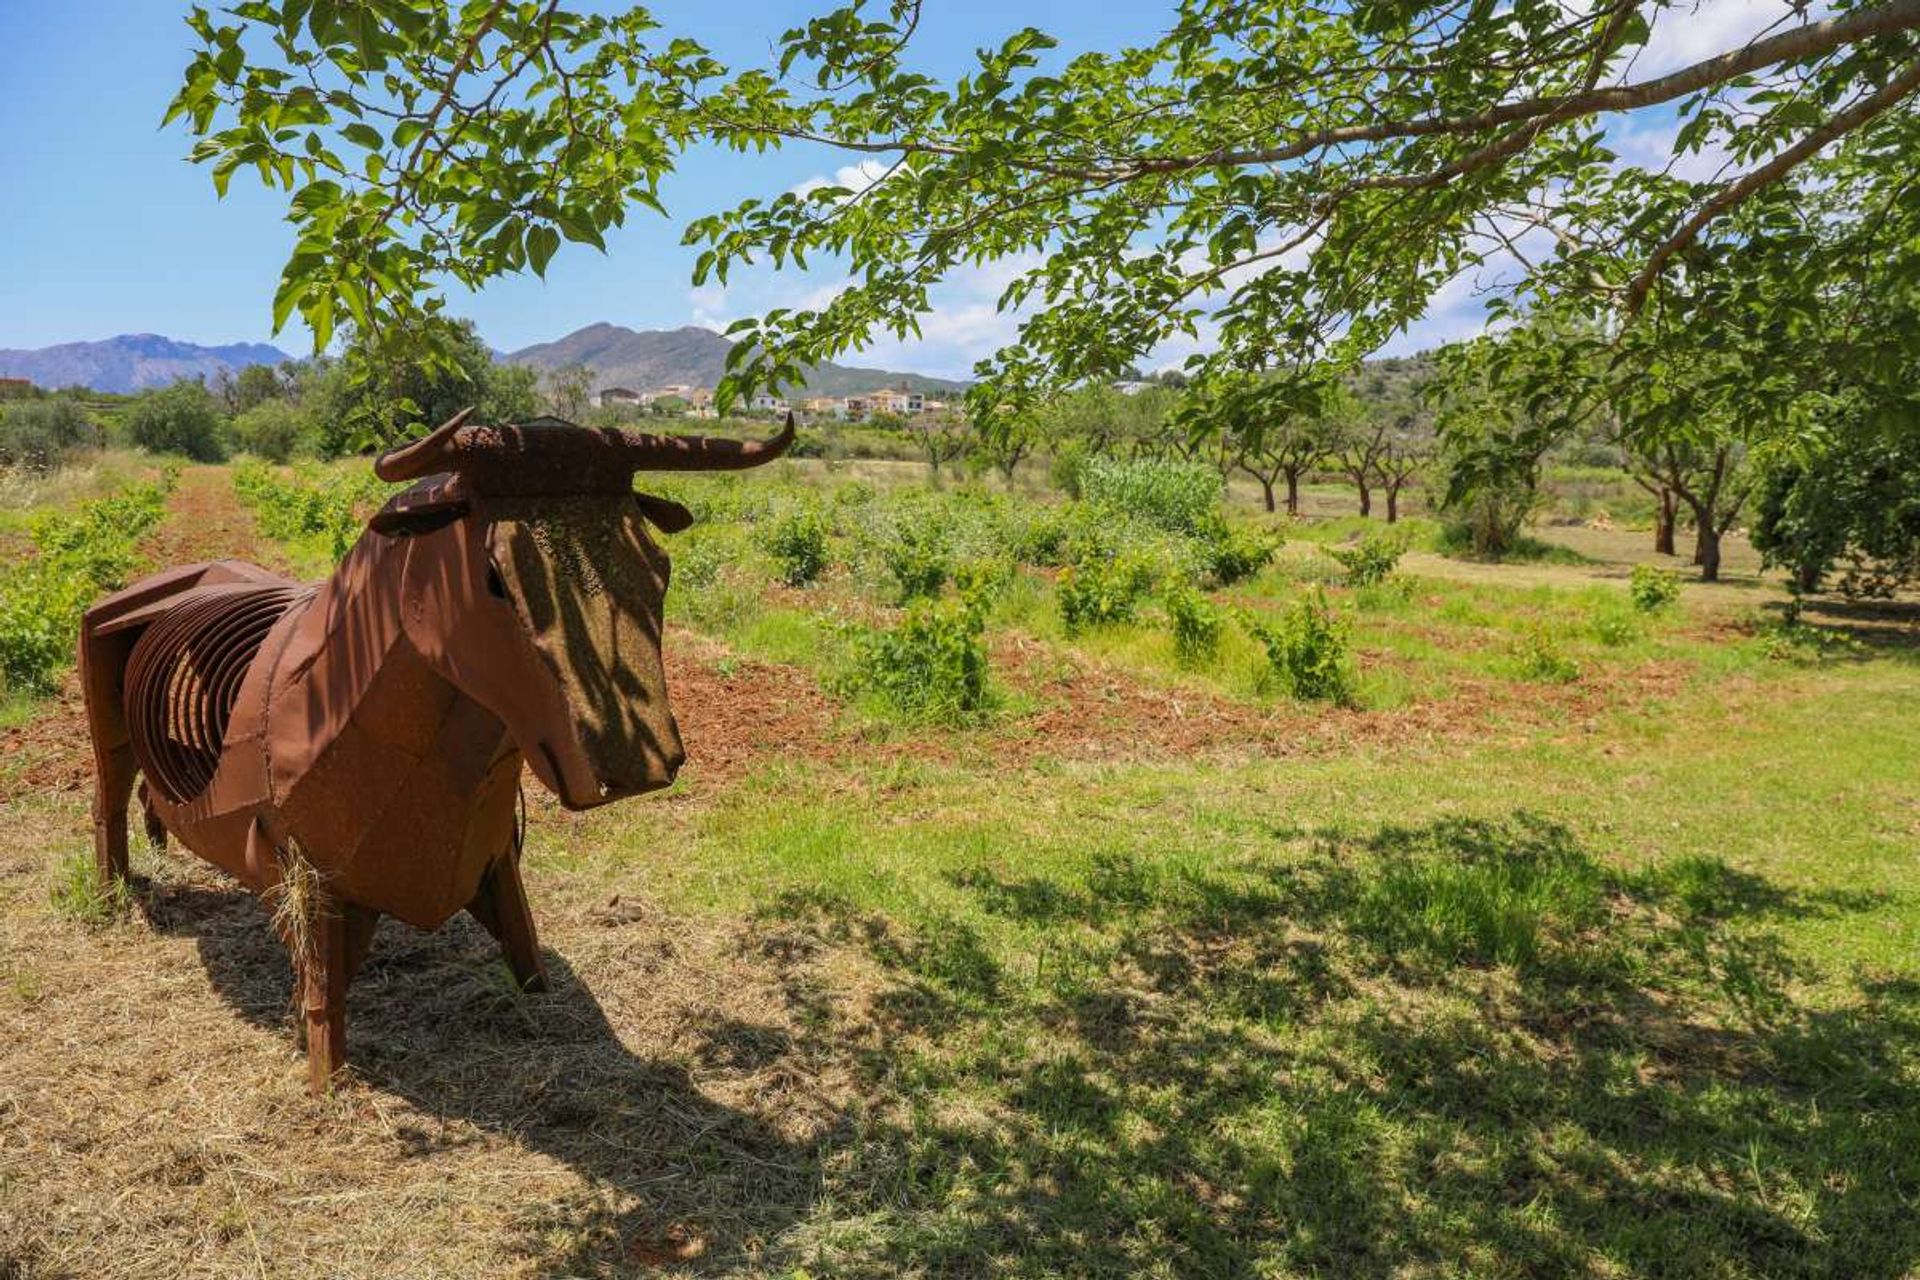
[[417, 518], [664, 514]]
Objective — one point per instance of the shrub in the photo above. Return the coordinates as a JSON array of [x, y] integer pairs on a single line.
[[1234, 555], [330, 507], [1196, 623], [38, 435], [1541, 657], [983, 581], [1371, 561], [932, 667], [919, 561], [81, 556], [798, 542], [1043, 539], [697, 563], [1099, 589], [1180, 497], [1308, 651], [1652, 588], [275, 430], [179, 419], [1065, 467]]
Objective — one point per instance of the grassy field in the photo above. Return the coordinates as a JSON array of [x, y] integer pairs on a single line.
[[1574, 940]]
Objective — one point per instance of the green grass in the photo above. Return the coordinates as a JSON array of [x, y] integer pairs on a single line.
[[1631, 991], [1503, 1010], [78, 893]]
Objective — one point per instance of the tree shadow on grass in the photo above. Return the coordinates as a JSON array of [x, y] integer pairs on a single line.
[[675, 1179], [1460, 1047]]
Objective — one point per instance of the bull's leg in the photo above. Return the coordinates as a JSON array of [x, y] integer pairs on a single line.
[[501, 905], [101, 661], [156, 829], [323, 995]]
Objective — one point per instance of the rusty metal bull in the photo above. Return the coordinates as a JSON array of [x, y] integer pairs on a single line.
[[354, 747]]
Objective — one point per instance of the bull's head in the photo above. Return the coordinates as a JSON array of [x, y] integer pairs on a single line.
[[534, 586]]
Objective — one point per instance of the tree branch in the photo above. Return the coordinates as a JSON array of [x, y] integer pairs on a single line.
[[1772, 171]]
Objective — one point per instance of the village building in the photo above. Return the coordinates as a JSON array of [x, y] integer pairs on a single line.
[[902, 402]]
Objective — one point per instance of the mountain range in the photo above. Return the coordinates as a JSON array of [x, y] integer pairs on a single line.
[[130, 362], [695, 357], [619, 357]]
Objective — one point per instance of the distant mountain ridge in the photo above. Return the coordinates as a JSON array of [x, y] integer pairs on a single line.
[[619, 357], [131, 361], [696, 357]]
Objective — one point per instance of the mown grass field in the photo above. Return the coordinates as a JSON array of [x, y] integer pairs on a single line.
[[1580, 941]]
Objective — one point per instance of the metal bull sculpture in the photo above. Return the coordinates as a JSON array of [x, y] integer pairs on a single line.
[[354, 747]]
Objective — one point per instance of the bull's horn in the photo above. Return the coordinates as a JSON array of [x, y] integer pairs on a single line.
[[647, 452], [424, 457]]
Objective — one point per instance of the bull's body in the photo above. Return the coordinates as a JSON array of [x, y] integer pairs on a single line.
[[367, 733]]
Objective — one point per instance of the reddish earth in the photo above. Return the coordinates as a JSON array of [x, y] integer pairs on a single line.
[[737, 714]]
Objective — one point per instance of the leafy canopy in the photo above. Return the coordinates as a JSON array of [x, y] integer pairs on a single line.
[[1289, 184]]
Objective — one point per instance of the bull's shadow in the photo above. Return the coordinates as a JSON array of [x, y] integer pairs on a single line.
[[433, 1019]]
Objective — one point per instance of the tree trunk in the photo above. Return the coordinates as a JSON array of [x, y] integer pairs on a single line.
[[1393, 503], [1293, 494], [1366, 499], [1706, 550], [1808, 578], [1266, 489], [1663, 522]]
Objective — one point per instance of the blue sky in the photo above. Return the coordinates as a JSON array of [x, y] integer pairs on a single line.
[[107, 229]]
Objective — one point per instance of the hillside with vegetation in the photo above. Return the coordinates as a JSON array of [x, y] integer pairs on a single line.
[[694, 357]]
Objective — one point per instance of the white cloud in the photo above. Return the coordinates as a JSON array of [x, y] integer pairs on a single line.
[[1684, 34], [854, 177], [964, 326]]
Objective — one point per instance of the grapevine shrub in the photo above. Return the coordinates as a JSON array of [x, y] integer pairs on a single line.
[[1308, 651], [81, 557]]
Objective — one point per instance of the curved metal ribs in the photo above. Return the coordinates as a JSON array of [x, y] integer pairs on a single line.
[[184, 674]]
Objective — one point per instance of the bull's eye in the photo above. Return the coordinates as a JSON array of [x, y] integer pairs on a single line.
[[496, 585]]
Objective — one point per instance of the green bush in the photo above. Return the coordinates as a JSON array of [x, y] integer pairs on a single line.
[[276, 430], [1371, 561], [1101, 588], [1065, 467], [931, 668], [182, 419], [1541, 658], [1180, 497], [1196, 623], [38, 435], [919, 561], [1233, 555], [1043, 539], [81, 556], [798, 543], [1308, 651], [330, 507], [1652, 588]]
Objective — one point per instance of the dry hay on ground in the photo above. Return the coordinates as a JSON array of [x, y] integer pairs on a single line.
[[666, 1102]]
